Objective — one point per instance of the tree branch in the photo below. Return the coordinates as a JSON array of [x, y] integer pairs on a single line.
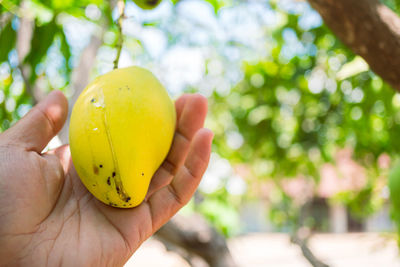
[[370, 29], [121, 10], [195, 236], [307, 253]]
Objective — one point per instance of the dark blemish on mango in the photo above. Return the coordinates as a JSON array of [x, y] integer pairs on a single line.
[[92, 100], [117, 188], [127, 199], [112, 204], [108, 181], [142, 174], [93, 184], [95, 169], [101, 166], [113, 174]]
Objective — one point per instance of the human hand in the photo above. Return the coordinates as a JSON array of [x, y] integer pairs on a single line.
[[49, 218]]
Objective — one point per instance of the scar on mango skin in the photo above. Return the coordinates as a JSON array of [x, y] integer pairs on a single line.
[[95, 169]]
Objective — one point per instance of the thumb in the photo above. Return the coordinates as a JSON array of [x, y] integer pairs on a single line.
[[35, 130]]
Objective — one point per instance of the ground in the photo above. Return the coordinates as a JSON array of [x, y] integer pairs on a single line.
[[271, 249]]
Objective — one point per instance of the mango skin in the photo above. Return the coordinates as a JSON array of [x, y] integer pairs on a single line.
[[121, 130]]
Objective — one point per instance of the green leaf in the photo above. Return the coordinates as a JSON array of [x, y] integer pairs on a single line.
[[7, 41], [10, 6], [62, 4], [43, 37], [43, 13]]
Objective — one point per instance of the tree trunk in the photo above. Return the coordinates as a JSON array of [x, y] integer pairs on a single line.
[[23, 45], [369, 29]]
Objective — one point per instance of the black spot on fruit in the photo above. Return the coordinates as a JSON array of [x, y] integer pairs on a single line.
[[108, 181], [101, 166], [127, 199], [95, 169], [117, 188], [113, 174], [92, 100], [142, 174]]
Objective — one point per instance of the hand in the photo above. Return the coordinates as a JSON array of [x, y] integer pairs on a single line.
[[49, 218]]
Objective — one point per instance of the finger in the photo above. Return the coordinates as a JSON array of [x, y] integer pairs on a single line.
[[192, 119], [168, 200], [179, 104], [35, 130], [64, 155]]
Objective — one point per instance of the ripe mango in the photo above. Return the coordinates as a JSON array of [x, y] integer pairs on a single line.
[[121, 129]]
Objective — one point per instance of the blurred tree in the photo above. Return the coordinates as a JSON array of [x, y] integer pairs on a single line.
[[294, 109]]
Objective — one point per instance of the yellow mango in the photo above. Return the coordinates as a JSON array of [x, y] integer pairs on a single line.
[[121, 129]]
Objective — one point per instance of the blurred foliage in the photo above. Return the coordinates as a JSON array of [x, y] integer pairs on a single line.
[[307, 97], [49, 44], [293, 111]]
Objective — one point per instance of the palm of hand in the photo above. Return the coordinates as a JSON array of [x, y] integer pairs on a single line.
[[48, 216]]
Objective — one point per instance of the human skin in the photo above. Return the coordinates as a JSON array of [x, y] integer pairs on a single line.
[[48, 218]]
